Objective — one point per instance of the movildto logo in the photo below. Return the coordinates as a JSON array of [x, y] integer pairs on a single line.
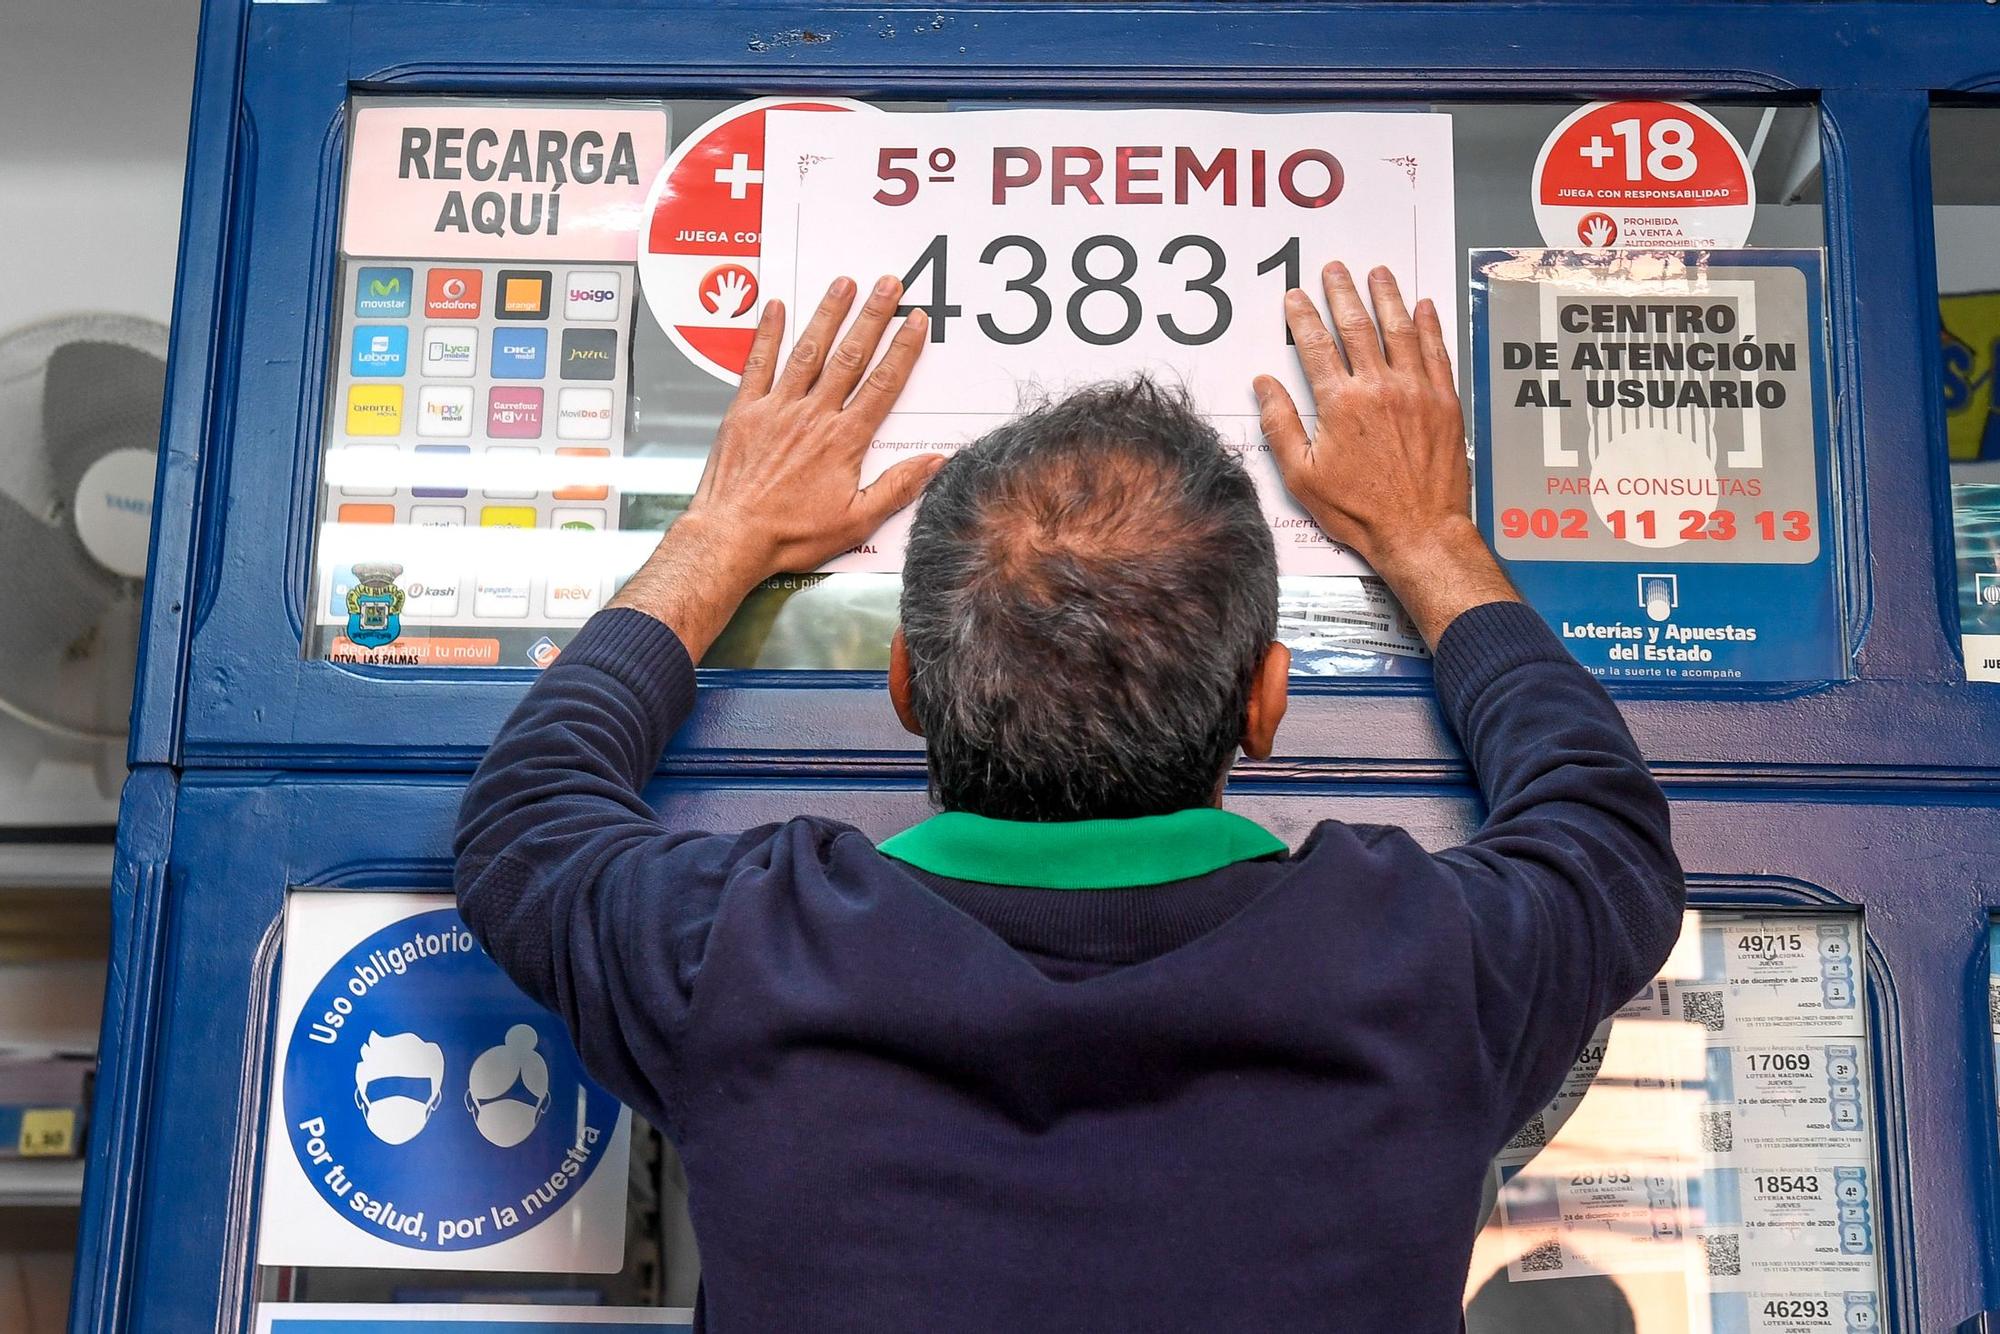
[[375, 605]]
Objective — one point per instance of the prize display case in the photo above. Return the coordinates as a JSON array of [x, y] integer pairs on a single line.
[[464, 288]]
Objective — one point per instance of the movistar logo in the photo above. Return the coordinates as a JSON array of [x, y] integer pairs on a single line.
[[385, 286]]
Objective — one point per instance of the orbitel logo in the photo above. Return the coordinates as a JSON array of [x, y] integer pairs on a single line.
[[382, 293], [453, 294], [374, 409]]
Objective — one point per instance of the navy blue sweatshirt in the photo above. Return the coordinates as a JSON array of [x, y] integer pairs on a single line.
[[1159, 1074]]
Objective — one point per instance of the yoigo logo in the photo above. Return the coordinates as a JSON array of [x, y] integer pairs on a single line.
[[431, 1103], [592, 294]]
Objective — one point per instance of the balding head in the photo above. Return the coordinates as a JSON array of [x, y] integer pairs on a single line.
[[1088, 592]]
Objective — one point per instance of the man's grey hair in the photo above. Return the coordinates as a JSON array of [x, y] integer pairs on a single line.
[[1087, 593]]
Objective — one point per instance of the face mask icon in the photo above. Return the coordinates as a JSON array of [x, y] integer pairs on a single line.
[[398, 1083], [509, 1088]]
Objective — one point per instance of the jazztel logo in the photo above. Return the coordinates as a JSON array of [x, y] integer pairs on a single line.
[[382, 294], [453, 294], [589, 354]]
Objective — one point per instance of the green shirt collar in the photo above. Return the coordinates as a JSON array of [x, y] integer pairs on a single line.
[[1082, 854]]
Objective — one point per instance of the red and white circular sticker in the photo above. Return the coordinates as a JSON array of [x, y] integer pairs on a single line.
[[1663, 174], [704, 226]]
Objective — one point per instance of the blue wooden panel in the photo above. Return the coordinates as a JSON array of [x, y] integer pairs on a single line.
[[1915, 870], [255, 314]]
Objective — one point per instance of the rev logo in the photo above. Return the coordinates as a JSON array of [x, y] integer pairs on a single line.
[[589, 354]]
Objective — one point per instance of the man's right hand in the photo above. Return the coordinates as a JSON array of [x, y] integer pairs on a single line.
[[1385, 470]]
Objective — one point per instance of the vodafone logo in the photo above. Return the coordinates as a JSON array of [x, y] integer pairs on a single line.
[[728, 290], [698, 260]]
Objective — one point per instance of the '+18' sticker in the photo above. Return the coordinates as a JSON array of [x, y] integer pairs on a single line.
[[429, 1101]]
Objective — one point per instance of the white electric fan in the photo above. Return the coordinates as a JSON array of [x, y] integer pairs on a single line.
[[80, 400]]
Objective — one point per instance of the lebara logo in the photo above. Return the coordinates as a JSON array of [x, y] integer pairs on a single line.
[[431, 1103], [375, 605], [382, 293], [378, 350]]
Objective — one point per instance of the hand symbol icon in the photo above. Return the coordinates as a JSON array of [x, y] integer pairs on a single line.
[[732, 292], [1597, 230]]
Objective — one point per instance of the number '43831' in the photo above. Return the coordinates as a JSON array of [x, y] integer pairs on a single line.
[[1102, 265]]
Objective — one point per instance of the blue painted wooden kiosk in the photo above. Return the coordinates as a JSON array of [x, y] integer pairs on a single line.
[[258, 766]]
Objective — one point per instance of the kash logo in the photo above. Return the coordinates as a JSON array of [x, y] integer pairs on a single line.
[[589, 354], [453, 294], [524, 294], [382, 294], [592, 294]]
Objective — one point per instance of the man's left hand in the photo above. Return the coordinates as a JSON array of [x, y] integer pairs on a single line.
[[782, 490]]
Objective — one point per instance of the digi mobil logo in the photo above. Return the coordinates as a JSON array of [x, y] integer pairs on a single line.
[[382, 293], [590, 354], [453, 294], [379, 349], [520, 354], [592, 294]]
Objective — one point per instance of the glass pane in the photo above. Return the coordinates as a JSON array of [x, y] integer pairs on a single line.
[[1709, 1165], [1966, 193], [509, 424]]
